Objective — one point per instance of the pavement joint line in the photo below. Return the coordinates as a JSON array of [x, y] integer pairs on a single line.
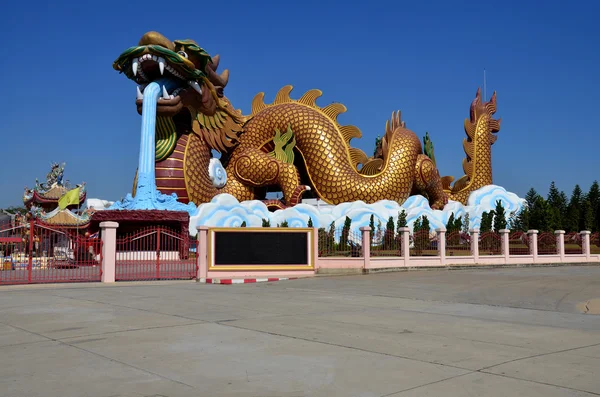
[[422, 333], [458, 303], [366, 307], [60, 342], [426, 384], [539, 355], [343, 346], [199, 322], [540, 383], [212, 304], [127, 307], [23, 343]]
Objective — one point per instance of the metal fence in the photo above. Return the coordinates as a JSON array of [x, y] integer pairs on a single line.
[[458, 244], [340, 242], [155, 253], [547, 244], [490, 243], [518, 244], [35, 253], [421, 244]]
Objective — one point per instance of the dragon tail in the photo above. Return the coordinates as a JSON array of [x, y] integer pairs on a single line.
[[480, 128]]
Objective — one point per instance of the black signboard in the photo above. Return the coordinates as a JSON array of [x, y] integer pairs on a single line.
[[260, 248]]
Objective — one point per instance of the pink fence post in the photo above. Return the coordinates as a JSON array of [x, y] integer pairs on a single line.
[[585, 243], [560, 244], [315, 244], [505, 241], [202, 253], [405, 241], [533, 243], [441, 237], [109, 250], [366, 245], [475, 244]]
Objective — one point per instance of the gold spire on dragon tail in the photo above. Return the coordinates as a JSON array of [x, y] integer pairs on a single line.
[[480, 128]]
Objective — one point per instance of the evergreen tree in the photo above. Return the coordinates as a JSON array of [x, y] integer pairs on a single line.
[[541, 216], [331, 235], [345, 232], [587, 219], [309, 224], [515, 221], [466, 224], [486, 222], [500, 217], [388, 238], [378, 235], [266, 223], [594, 197], [531, 197], [401, 221], [573, 211], [372, 226], [284, 224], [417, 225], [243, 224], [458, 224], [425, 224], [450, 223], [555, 219]]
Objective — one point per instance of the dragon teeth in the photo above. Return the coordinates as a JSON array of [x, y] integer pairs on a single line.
[[165, 93], [195, 86], [139, 93], [161, 65], [134, 67]]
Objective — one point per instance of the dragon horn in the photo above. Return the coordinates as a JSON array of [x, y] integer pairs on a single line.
[[214, 65], [225, 77], [214, 78]]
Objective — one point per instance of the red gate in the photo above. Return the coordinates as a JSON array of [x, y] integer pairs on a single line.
[[34, 253], [156, 253]]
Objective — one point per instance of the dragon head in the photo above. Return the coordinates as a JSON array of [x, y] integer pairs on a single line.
[[191, 70]]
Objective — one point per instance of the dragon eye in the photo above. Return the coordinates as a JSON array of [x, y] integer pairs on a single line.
[[182, 53]]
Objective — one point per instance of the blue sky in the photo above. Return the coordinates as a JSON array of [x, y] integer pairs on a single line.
[[62, 101]]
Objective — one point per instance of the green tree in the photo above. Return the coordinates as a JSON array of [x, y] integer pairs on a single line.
[[266, 223], [243, 224], [388, 237], [345, 232], [331, 235], [284, 224], [541, 216], [466, 224], [500, 217], [531, 197], [587, 220], [555, 210], [401, 221], [417, 225], [458, 224], [309, 224], [487, 219], [573, 210], [594, 197], [450, 223], [372, 226], [425, 225]]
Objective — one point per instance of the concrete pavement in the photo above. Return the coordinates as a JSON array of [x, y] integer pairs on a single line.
[[499, 332]]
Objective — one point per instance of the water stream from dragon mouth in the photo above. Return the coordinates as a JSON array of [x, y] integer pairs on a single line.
[[147, 197]]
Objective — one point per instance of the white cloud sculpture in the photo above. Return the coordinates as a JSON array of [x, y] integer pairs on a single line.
[[225, 211]]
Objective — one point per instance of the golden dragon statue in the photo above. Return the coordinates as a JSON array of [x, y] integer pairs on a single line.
[[291, 144]]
